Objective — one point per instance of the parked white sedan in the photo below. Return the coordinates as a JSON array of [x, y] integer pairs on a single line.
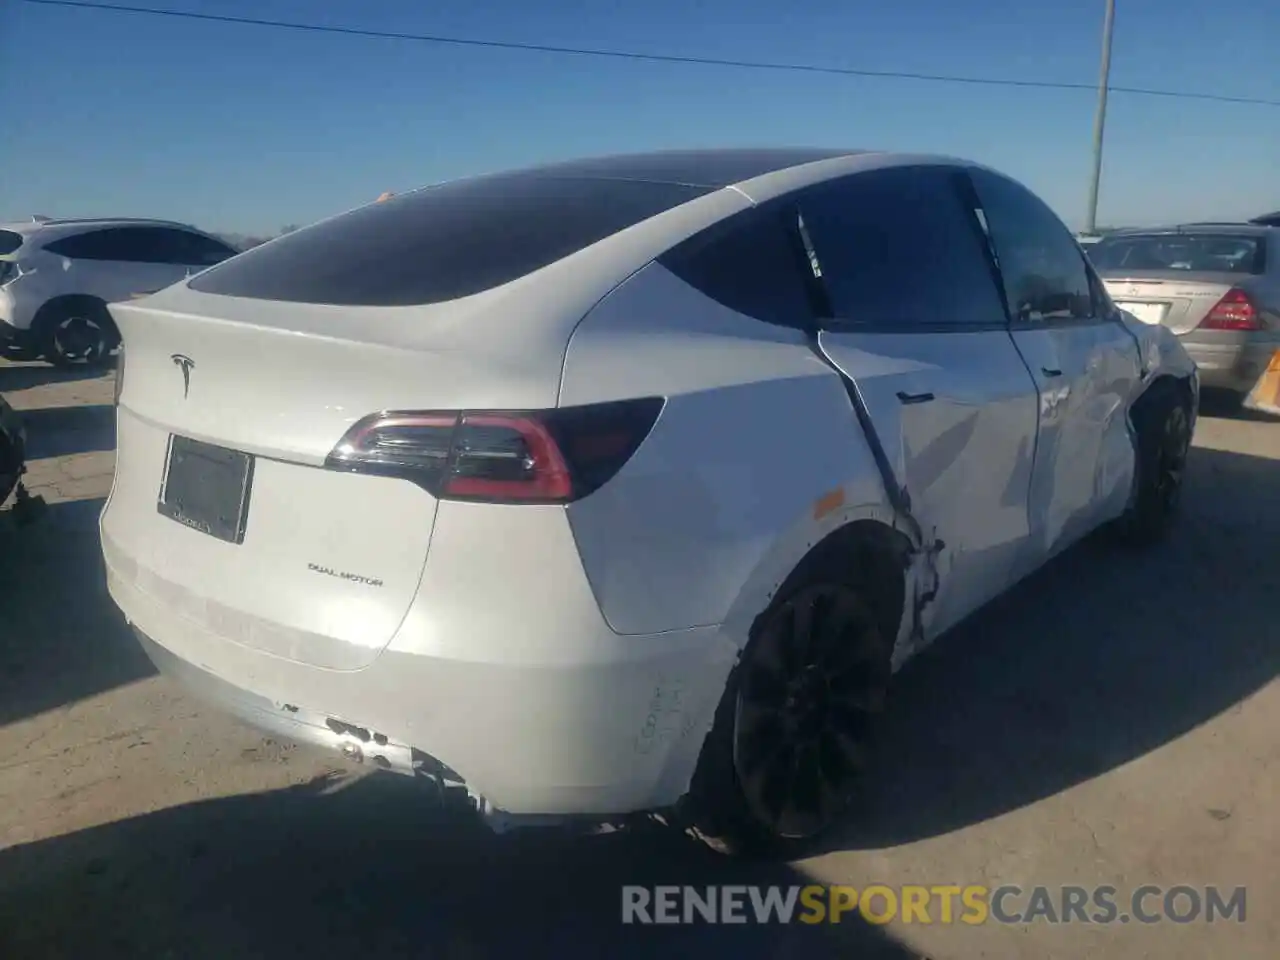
[[625, 484]]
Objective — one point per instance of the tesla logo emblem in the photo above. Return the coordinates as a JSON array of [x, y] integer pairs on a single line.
[[184, 363]]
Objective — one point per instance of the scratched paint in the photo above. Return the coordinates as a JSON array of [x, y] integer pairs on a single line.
[[664, 722]]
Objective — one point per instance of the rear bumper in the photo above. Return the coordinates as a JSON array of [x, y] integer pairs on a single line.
[[1229, 362], [612, 725], [287, 721]]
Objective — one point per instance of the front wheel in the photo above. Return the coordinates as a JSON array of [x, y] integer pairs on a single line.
[[1162, 423], [791, 740]]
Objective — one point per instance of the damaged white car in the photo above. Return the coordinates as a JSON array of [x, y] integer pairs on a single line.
[[626, 484]]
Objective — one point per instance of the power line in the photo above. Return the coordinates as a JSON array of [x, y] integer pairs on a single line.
[[649, 57]]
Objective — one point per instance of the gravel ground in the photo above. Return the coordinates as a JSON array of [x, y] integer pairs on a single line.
[[1111, 721]]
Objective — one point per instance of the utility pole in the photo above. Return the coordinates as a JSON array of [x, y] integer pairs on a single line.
[[1100, 121]]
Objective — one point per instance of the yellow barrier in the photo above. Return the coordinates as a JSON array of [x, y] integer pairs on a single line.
[[1265, 395]]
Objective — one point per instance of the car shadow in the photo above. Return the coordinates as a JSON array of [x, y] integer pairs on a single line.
[[1104, 655], [1229, 406], [24, 375], [368, 870], [61, 431], [61, 637]]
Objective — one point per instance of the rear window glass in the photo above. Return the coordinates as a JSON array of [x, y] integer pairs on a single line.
[[9, 241], [443, 242], [1206, 252]]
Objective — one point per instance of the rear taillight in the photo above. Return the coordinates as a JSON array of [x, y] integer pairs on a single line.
[[1235, 311], [540, 456]]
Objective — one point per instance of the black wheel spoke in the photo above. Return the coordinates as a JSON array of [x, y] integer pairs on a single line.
[[769, 781], [851, 718], [766, 684], [806, 785], [843, 757], [804, 616]]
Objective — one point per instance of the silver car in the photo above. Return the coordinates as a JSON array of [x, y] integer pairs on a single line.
[[1216, 286]]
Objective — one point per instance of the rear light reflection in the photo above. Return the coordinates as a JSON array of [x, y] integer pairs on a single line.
[[1235, 311], [547, 456]]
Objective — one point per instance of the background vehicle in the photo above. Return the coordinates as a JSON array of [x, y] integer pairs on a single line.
[[1268, 219], [626, 483], [57, 277], [13, 442], [1217, 286]]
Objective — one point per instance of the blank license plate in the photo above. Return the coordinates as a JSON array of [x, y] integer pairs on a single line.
[[207, 488], [1146, 312]]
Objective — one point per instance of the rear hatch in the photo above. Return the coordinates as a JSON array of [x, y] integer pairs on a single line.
[[1176, 278], [461, 296], [223, 509]]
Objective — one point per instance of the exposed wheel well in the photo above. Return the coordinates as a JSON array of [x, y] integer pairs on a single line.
[[868, 553]]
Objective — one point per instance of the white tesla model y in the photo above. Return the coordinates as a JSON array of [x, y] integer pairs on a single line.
[[625, 484]]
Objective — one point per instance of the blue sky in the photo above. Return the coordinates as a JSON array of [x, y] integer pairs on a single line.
[[244, 129]]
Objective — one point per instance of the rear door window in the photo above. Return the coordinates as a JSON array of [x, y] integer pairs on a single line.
[[170, 245], [443, 242], [898, 249], [1045, 276], [202, 251], [751, 263]]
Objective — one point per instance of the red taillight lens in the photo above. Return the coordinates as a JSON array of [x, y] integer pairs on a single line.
[[1235, 311], [545, 456]]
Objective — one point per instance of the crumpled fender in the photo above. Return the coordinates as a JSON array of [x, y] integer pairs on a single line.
[[1161, 354]]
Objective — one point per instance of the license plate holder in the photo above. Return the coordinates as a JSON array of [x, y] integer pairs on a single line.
[[1145, 310], [206, 488]]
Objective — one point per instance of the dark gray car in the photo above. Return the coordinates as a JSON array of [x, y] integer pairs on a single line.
[[1217, 286]]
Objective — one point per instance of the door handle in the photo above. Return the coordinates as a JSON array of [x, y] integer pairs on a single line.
[[1051, 371], [914, 397]]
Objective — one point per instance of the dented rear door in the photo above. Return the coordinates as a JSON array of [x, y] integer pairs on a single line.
[[918, 329]]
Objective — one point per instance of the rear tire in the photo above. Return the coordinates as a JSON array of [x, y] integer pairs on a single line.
[[76, 332], [791, 739], [1162, 422]]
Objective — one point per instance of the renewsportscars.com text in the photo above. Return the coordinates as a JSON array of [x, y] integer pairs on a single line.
[[938, 904]]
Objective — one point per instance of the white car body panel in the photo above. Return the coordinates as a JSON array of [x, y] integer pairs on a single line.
[[1086, 374], [666, 549], [569, 659], [965, 456]]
